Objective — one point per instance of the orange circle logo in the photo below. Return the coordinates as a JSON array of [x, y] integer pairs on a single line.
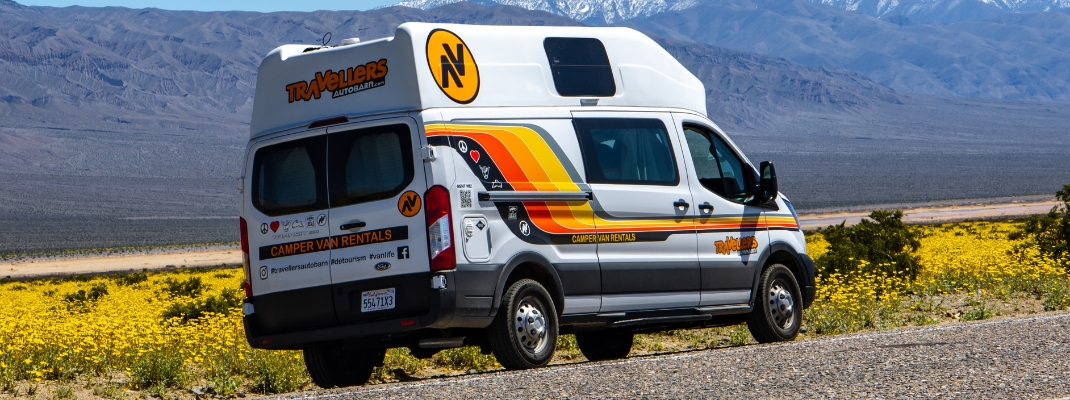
[[409, 204], [453, 66]]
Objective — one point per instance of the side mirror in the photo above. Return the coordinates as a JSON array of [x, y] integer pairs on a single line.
[[767, 185]]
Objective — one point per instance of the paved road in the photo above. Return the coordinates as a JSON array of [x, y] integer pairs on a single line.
[[1024, 357]]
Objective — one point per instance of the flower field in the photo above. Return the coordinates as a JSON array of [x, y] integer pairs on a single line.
[[165, 333]]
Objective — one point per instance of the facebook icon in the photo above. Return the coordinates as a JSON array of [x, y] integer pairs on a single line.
[[403, 252]]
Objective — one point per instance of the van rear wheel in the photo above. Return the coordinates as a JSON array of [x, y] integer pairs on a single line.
[[777, 313], [331, 365], [605, 345], [524, 333]]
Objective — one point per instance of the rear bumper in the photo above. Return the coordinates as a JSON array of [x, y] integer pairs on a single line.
[[447, 308]]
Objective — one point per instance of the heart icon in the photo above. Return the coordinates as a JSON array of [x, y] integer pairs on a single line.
[[475, 155], [274, 226]]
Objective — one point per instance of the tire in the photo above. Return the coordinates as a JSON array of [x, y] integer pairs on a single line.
[[777, 313], [524, 334], [605, 345], [331, 365]]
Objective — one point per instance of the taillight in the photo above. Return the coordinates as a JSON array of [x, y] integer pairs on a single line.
[[245, 258], [439, 229]]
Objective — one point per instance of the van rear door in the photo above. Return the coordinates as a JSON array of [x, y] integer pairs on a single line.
[[379, 261], [286, 209]]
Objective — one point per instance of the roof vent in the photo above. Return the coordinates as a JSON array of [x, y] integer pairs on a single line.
[[349, 41]]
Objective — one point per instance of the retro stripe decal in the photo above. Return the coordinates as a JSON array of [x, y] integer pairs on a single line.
[[511, 157]]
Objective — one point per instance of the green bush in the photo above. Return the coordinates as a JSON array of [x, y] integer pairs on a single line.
[[222, 304], [277, 372], [159, 369], [191, 287], [1049, 233], [130, 279], [81, 296], [882, 243]]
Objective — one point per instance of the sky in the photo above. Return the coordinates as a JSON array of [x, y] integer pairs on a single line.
[[218, 5]]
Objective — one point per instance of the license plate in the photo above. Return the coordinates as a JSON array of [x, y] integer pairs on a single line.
[[376, 300]]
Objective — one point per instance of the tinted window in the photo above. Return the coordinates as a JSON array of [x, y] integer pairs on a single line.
[[580, 67], [628, 151], [369, 164], [719, 169], [289, 177]]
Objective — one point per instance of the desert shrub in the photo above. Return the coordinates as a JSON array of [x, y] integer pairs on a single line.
[[81, 296], [881, 245], [191, 287], [130, 279], [1049, 233], [159, 369], [277, 371], [221, 304], [465, 359]]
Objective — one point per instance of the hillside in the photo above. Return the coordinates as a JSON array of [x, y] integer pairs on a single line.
[[127, 126]]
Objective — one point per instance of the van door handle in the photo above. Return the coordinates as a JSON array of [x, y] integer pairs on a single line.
[[353, 225], [680, 204], [706, 207]]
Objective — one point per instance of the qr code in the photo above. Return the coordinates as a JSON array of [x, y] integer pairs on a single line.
[[466, 198]]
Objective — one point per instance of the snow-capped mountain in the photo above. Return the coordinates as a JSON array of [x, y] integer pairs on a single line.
[[597, 12], [605, 12]]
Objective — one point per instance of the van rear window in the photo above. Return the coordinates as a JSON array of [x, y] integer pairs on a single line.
[[626, 151], [290, 177], [369, 164], [580, 67]]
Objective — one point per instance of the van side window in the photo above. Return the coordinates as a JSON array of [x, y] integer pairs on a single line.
[[580, 67], [289, 177], [626, 151], [719, 169], [369, 164]]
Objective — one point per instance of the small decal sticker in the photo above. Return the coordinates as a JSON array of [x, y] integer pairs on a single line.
[[462, 146], [496, 184], [383, 266], [409, 204], [264, 228], [524, 228], [263, 272], [475, 155], [321, 220], [512, 212], [466, 198], [403, 252], [310, 221], [481, 225], [274, 226], [485, 170]]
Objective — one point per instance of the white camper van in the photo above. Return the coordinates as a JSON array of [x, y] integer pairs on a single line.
[[497, 186]]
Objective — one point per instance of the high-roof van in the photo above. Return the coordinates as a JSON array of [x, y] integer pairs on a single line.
[[495, 186]]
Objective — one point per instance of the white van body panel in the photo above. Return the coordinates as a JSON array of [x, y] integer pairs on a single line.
[[512, 68]]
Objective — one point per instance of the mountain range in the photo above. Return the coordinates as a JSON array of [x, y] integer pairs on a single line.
[[604, 12], [127, 126]]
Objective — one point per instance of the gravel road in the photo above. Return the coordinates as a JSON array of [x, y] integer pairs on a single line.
[[1023, 357]]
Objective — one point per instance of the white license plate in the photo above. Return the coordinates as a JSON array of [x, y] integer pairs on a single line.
[[376, 300]]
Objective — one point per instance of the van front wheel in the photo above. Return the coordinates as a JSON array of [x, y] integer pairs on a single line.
[[331, 365], [777, 313], [524, 333]]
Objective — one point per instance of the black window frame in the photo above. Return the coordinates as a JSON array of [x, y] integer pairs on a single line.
[[319, 165], [587, 149], [573, 59], [336, 188]]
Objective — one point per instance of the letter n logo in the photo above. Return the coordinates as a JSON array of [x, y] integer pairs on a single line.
[[453, 66], [409, 204]]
